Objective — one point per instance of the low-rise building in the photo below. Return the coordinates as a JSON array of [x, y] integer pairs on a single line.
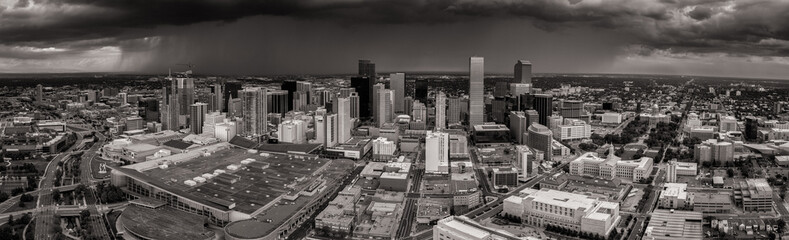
[[674, 196], [754, 195], [563, 209]]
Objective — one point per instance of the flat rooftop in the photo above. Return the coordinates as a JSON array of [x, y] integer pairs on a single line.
[[164, 223], [258, 182]]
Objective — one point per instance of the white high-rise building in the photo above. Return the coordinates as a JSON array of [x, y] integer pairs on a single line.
[[573, 129], [225, 131], [397, 84], [385, 108], [344, 120], [476, 90], [383, 149], [254, 111], [320, 129], [529, 163], [437, 152], [292, 131], [419, 113], [211, 120], [441, 111], [124, 98], [671, 172], [376, 110]]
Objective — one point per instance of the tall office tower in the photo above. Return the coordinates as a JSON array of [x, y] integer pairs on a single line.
[[671, 171], [518, 126], [436, 152], [441, 111], [543, 103], [197, 117], [291, 87], [170, 109], [408, 105], [367, 69], [326, 130], [522, 72], [751, 127], [421, 87], [532, 116], [216, 100], [253, 111], [231, 91], [540, 138], [419, 113], [385, 108], [109, 92], [292, 131], [305, 87], [277, 101], [397, 83], [39, 94], [777, 108], [344, 121], [476, 90], [323, 97], [375, 106], [458, 108], [572, 108], [186, 93], [300, 101], [354, 98], [529, 166], [346, 92], [498, 111], [123, 98], [364, 87], [149, 109]]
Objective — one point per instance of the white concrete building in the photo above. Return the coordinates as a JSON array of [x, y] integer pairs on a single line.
[[674, 196], [292, 131], [612, 117], [563, 209], [573, 129], [437, 152], [225, 131], [383, 149]]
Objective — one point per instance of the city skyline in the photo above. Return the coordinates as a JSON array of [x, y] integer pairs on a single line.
[[709, 38]]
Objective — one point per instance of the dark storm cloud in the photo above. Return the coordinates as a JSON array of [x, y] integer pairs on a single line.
[[694, 25]]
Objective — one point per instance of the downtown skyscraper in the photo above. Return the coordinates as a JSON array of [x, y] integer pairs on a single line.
[[397, 83], [476, 90], [522, 72], [176, 101], [253, 111], [441, 111], [367, 69], [197, 117], [385, 108], [216, 101]]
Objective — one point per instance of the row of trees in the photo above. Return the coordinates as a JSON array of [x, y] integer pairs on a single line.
[[109, 193], [643, 201], [579, 234]]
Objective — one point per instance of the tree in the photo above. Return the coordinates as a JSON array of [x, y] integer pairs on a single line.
[[84, 215], [56, 195], [730, 172]]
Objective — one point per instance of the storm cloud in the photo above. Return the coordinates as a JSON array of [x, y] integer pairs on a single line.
[[741, 27]]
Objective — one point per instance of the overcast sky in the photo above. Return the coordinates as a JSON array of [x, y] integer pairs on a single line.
[[747, 38]]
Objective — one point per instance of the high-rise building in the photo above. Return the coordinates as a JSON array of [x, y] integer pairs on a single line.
[[216, 99], [518, 126], [367, 69], [231, 91], [344, 121], [254, 113], [376, 107], [39, 94], [540, 138], [529, 164], [211, 120], [346, 92], [354, 98], [421, 87], [123, 98], [457, 110], [292, 131], [326, 129], [671, 172], [543, 103], [186, 93], [408, 107], [751, 127], [437, 152], [150, 109], [170, 110], [476, 90], [291, 87], [441, 111], [385, 108], [277, 101], [197, 117], [572, 108], [419, 113], [397, 83], [364, 88], [522, 72]]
